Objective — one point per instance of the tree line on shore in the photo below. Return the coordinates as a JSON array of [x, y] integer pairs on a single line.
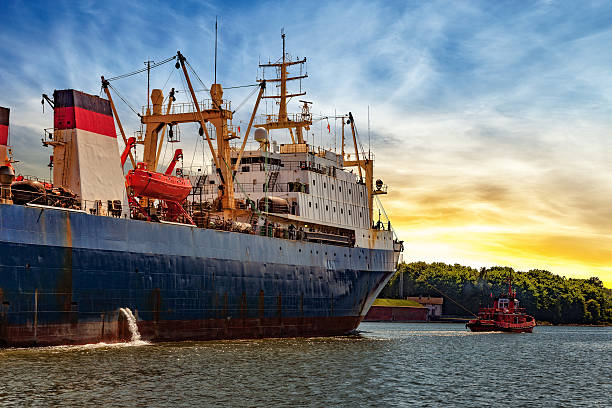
[[546, 296]]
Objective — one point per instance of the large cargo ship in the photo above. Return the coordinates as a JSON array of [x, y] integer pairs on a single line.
[[276, 241]]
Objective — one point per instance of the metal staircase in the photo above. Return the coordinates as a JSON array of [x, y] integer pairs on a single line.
[[271, 184]]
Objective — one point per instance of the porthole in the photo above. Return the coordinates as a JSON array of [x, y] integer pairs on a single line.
[[317, 205], [340, 188], [349, 212], [349, 191], [334, 209], [341, 211], [332, 187], [327, 208], [309, 204], [314, 182], [324, 185]]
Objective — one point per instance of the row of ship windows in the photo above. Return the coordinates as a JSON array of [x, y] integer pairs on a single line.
[[334, 208], [314, 183]]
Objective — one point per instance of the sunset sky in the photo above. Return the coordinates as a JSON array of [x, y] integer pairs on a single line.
[[490, 121]]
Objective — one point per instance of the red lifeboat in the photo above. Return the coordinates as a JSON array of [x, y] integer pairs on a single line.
[[145, 183]]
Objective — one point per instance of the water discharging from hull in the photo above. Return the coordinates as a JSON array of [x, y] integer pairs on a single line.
[[131, 324]]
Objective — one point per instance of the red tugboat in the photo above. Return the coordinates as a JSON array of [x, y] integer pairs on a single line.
[[505, 315]]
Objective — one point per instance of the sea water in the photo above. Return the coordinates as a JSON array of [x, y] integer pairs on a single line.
[[387, 364]]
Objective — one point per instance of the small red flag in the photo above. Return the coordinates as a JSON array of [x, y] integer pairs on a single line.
[[238, 129], [328, 128]]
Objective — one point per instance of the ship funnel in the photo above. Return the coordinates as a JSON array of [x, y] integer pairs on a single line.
[[4, 124], [85, 150], [7, 174]]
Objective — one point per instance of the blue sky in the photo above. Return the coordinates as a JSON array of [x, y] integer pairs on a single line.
[[492, 118]]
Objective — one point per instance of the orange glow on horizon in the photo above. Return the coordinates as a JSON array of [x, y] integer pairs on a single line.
[[481, 226]]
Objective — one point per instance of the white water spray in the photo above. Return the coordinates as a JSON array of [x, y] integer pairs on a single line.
[[131, 324]]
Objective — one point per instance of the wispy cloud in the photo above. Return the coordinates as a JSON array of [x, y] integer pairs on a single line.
[[490, 120]]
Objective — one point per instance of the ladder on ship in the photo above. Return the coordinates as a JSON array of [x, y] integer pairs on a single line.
[[271, 184]]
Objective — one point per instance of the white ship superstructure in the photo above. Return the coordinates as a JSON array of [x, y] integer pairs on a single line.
[[306, 186]]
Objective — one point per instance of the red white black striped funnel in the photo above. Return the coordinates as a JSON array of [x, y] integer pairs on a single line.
[[78, 110], [4, 125]]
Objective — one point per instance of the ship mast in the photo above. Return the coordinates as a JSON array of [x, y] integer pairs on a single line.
[[298, 122]]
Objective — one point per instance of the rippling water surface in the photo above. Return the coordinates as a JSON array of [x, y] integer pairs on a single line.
[[387, 364]]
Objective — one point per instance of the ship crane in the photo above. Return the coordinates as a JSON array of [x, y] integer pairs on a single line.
[[159, 121], [364, 165]]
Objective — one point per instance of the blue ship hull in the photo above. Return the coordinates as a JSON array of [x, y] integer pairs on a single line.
[[65, 275]]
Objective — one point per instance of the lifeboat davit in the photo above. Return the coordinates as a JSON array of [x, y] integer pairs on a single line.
[[145, 183]]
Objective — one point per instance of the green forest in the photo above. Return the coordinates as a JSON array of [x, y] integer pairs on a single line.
[[546, 296]]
